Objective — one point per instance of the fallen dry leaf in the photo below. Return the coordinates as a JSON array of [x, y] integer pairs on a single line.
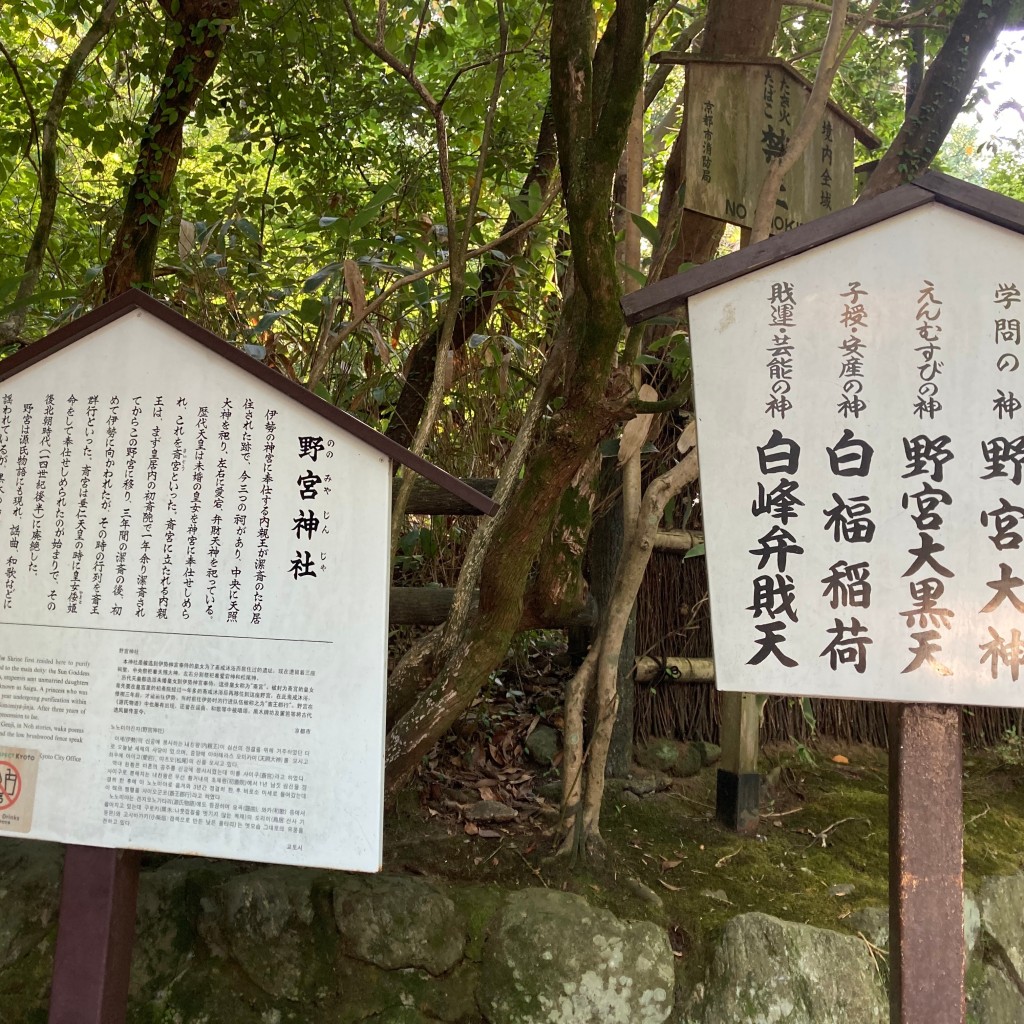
[[471, 829], [671, 888], [668, 865], [840, 759]]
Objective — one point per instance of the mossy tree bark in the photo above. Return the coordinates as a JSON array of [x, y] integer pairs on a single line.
[[592, 102], [198, 29]]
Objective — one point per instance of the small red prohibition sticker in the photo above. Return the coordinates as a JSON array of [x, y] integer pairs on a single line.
[[10, 785]]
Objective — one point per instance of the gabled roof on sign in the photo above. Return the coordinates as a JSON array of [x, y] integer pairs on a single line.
[[932, 187], [134, 299]]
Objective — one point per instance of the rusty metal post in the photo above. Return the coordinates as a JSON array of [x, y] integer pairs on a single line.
[[95, 932], [926, 880]]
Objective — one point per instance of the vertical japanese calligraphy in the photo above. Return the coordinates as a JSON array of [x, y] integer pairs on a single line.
[[878, 549], [782, 314], [854, 321], [185, 678], [929, 332]]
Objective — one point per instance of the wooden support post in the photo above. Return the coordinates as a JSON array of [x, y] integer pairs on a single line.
[[737, 800], [95, 932], [926, 881]]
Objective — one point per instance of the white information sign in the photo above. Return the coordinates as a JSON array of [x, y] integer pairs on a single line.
[[193, 608], [861, 434]]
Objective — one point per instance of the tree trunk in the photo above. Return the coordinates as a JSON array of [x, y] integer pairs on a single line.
[[592, 104], [198, 28], [941, 95]]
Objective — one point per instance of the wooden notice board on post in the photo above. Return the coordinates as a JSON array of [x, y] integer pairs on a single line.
[[193, 619], [741, 114], [193, 610], [860, 410]]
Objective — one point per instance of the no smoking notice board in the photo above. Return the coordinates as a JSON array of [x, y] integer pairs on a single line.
[[193, 600]]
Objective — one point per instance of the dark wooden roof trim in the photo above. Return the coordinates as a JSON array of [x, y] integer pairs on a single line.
[[664, 296], [973, 199], [861, 131], [134, 299]]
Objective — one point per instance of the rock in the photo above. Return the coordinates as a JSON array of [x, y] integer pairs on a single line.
[[551, 958], [484, 811], [670, 756], [551, 791], [972, 922], [30, 874], [872, 923], [765, 970], [841, 889], [543, 745], [262, 920], [644, 786], [395, 922], [710, 753], [1000, 900], [643, 892], [168, 910], [718, 895], [994, 999]]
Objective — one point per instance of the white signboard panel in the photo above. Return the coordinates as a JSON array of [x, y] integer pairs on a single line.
[[861, 438], [193, 609]]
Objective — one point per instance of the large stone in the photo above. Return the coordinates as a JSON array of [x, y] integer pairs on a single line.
[[551, 958], [872, 923], [167, 921], [395, 922], [1000, 899], [543, 745], [670, 757], [30, 874], [263, 921], [767, 971], [994, 999]]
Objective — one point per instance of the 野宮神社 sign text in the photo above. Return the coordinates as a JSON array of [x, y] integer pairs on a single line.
[[861, 429], [193, 609]]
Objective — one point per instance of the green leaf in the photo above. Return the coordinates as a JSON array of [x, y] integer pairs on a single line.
[[647, 229], [320, 277], [697, 551]]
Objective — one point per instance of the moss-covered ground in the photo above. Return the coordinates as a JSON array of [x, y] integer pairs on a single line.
[[824, 829]]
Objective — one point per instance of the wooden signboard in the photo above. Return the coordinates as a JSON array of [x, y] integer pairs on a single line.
[[193, 620], [860, 406], [740, 116], [193, 606], [878, 432]]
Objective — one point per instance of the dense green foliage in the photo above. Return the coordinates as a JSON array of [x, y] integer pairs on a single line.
[[308, 151]]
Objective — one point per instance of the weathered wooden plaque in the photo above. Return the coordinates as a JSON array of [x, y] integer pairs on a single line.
[[740, 116], [193, 607]]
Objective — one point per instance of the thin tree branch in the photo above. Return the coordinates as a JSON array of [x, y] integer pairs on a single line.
[[353, 325], [24, 95], [779, 167]]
